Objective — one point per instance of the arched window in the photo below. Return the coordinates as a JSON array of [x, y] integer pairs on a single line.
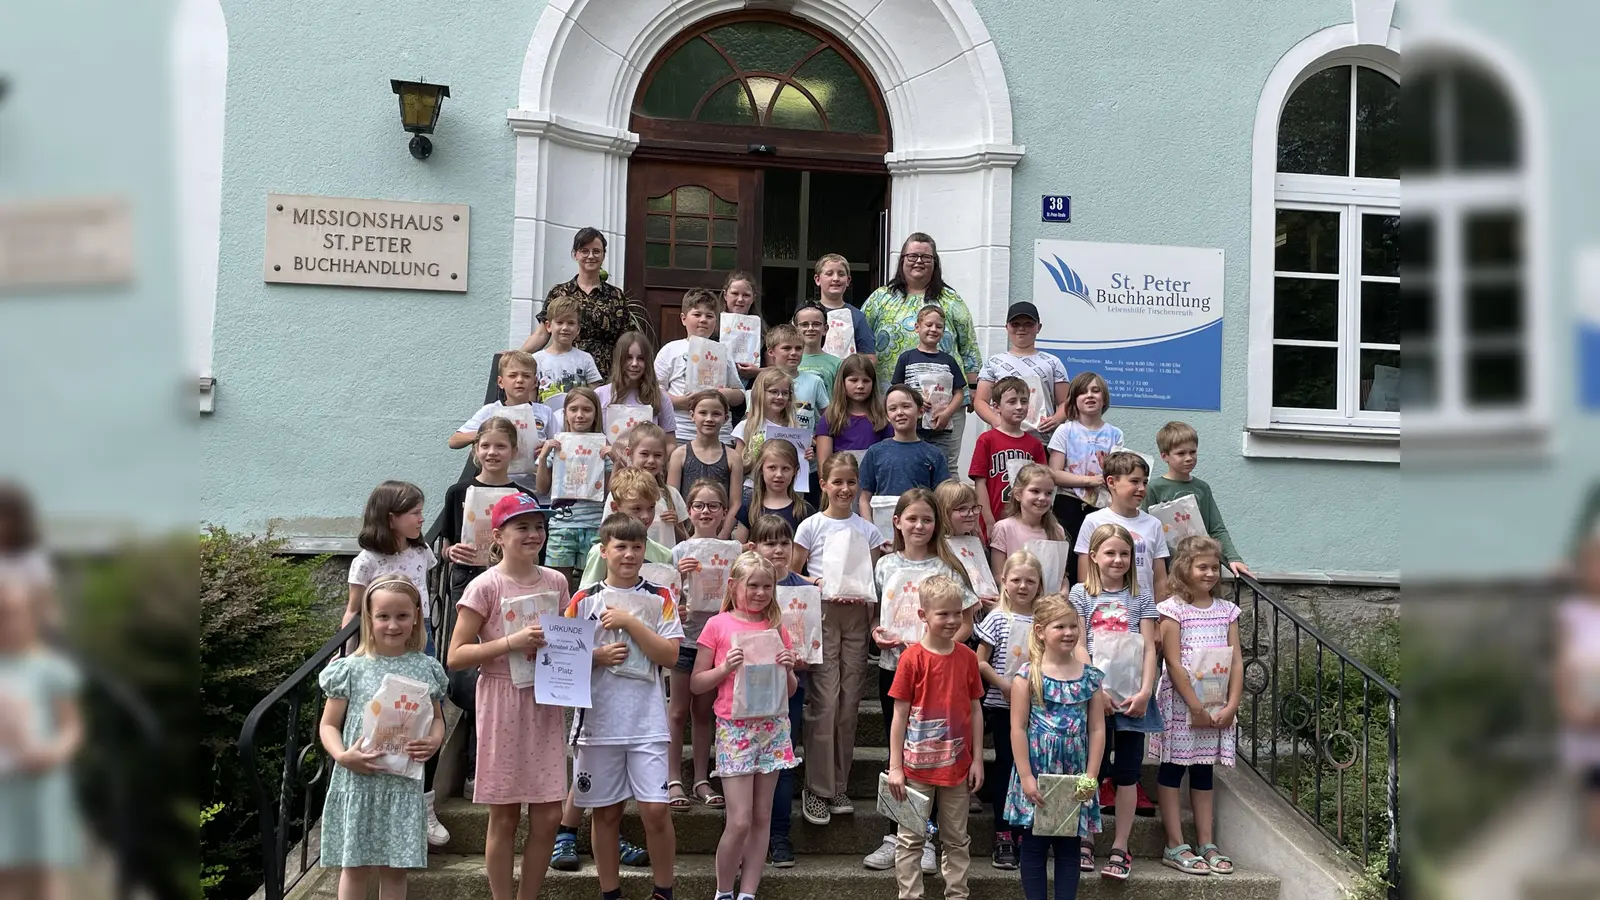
[[759, 75], [1468, 326], [1335, 337]]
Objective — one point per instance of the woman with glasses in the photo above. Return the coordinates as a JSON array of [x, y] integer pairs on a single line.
[[891, 312], [605, 314]]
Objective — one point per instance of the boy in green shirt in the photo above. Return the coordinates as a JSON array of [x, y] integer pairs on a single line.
[[1180, 449], [635, 493]]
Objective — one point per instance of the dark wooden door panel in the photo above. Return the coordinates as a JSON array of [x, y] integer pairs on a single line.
[[689, 225]]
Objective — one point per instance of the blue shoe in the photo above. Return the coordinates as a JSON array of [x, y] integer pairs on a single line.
[[632, 854], [564, 855]]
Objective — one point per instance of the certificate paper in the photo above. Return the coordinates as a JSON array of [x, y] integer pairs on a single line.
[[565, 661]]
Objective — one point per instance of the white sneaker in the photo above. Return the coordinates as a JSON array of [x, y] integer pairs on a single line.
[[437, 835], [882, 858], [930, 859]]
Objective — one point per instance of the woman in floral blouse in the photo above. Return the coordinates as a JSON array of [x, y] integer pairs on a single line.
[[605, 313], [891, 312]]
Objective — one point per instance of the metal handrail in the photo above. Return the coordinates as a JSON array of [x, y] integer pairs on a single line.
[[275, 820], [1293, 717]]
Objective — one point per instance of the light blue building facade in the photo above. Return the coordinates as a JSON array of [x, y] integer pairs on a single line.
[[1266, 131]]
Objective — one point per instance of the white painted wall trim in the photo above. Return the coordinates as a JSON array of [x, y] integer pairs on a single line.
[[944, 87], [1302, 60], [198, 73]]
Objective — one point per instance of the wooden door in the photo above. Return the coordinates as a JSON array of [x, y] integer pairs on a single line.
[[689, 225]]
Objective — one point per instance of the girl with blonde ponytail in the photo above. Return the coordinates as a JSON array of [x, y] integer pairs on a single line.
[[1057, 728]]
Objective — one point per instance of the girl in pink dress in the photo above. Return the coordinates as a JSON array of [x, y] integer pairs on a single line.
[[1197, 737], [521, 758]]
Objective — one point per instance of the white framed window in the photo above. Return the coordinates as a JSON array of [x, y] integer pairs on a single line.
[[1335, 340], [1472, 295]]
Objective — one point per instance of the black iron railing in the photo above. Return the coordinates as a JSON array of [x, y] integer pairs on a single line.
[[286, 819], [1321, 727], [123, 741]]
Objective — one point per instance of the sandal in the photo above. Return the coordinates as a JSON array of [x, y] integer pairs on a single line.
[[1119, 865], [1173, 857], [1085, 858], [710, 798], [681, 802], [1219, 864]]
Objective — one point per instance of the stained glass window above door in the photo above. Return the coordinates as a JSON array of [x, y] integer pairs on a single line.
[[763, 73]]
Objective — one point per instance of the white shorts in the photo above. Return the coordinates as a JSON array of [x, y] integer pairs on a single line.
[[607, 775]]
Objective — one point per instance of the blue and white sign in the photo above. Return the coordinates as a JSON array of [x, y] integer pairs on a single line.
[[1148, 318], [1056, 208]]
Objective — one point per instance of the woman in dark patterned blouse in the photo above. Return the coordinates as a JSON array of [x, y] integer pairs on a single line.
[[605, 313]]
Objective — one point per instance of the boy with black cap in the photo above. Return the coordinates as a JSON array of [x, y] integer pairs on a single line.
[[1022, 360]]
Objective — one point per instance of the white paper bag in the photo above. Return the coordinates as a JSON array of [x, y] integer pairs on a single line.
[[664, 575], [975, 560], [399, 713], [1035, 401], [1054, 557], [1180, 518], [897, 611], [802, 618], [708, 365], [578, 471], [760, 685], [621, 417], [742, 336], [840, 339], [476, 519], [937, 389], [1059, 814], [529, 437], [647, 609], [910, 813], [707, 587], [1120, 655], [521, 612], [847, 567], [801, 439], [883, 514], [1018, 632], [1210, 671]]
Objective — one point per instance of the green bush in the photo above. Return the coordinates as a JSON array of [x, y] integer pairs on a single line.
[[261, 616]]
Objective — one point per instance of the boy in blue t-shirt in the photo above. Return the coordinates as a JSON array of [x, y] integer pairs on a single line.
[[904, 461]]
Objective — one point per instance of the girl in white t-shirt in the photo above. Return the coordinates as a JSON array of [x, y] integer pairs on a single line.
[[833, 697], [771, 400], [1078, 450], [391, 541]]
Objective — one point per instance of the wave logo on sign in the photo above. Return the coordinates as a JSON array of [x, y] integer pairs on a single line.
[[1068, 281]]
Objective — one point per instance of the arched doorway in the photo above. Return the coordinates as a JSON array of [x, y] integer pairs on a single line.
[[935, 65], [761, 147]]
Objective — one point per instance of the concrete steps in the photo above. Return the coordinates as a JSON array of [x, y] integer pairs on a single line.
[[699, 828], [451, 877]]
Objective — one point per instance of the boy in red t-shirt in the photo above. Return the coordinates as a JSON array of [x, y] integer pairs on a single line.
[[935, 741], [1003, 443]]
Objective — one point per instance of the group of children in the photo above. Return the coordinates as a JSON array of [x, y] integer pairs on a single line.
[[1006, 646]]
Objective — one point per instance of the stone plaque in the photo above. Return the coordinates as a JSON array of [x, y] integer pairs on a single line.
[[65, 243], [366, 243]]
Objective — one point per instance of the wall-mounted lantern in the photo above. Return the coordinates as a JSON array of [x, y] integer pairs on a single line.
[[419, 111]]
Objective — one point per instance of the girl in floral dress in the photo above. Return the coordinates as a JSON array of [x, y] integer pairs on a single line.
[[1057, 728], [374, 822], [1196, 739], [750, 751]]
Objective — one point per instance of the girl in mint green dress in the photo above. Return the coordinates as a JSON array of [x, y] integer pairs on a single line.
[[373, 821], [40, 732]]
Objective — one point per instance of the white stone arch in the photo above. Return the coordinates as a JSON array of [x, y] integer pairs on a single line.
[[198, 71], [941, 78]]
